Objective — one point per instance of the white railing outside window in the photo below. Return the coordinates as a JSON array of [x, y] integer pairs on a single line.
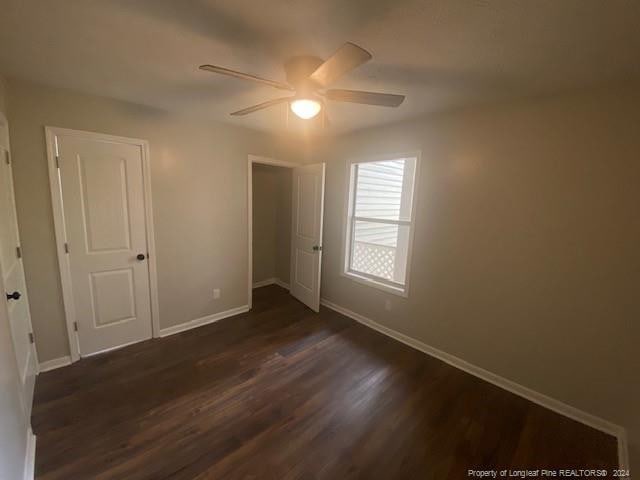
[[376, 260]]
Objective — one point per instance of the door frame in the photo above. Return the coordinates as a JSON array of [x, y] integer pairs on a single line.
[[263, 161], [60, 230]]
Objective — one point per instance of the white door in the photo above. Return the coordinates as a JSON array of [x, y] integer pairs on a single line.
[[13, 277], [106, 240], [306, 234]]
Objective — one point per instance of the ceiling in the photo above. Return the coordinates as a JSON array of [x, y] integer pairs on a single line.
[[441, 54]]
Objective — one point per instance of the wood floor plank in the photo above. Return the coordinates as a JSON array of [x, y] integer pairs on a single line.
[[284, 393]]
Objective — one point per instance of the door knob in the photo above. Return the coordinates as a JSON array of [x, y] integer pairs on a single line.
[[14, 296], [141, 256], [317, 248]]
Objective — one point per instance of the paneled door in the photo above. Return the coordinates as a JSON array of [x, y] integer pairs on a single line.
[[306, 233], [106, 239], [15, 295]]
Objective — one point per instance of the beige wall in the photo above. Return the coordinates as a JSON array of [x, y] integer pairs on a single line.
[[271, 222], [3, 95], [199, 183], [264, 223], [283, 224], [13, 421], [526, 258]]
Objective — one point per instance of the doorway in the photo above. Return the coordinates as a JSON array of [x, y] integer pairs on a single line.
[[271, 225], [104, 231], [285, 212]]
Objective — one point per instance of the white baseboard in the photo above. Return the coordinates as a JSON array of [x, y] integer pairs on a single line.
[[513, 387], [198, 322], [30, 456], [264, 283], [280, 283], [271, 281], [55, 363]]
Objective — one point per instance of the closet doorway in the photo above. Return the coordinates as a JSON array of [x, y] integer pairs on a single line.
[[285, 227]]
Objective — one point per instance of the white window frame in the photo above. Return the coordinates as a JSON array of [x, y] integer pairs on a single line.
[[350, 219]]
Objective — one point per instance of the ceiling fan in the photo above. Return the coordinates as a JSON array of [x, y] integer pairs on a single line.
[[308, 78]]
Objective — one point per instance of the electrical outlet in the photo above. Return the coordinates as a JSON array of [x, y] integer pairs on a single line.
[[216, 293]]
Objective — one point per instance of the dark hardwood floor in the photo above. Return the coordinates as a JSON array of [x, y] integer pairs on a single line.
[[284, 393]]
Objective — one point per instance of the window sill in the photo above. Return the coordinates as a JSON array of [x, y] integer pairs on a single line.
[[401, 292]]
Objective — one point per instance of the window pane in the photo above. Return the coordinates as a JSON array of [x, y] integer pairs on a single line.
[[384, 189], [380, 249]]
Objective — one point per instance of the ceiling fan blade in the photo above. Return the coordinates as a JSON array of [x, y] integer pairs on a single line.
[[260, 106], [368, 98], [324, 116], [245, 76], [348, 57]]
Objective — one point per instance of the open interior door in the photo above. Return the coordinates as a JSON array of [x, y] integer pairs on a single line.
[[13, 279], [306, 233]]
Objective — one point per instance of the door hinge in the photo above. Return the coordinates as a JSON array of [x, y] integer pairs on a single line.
[[66, 247], [32, 339], [18, 252], [57, 161], [6, 157], [75, 326]]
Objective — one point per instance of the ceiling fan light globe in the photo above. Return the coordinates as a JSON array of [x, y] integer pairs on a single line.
[[305, 108]]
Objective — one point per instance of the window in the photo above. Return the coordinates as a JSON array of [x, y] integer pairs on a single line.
[[379, 222]]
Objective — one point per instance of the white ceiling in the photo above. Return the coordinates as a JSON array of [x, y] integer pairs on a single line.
[[441, 54]]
